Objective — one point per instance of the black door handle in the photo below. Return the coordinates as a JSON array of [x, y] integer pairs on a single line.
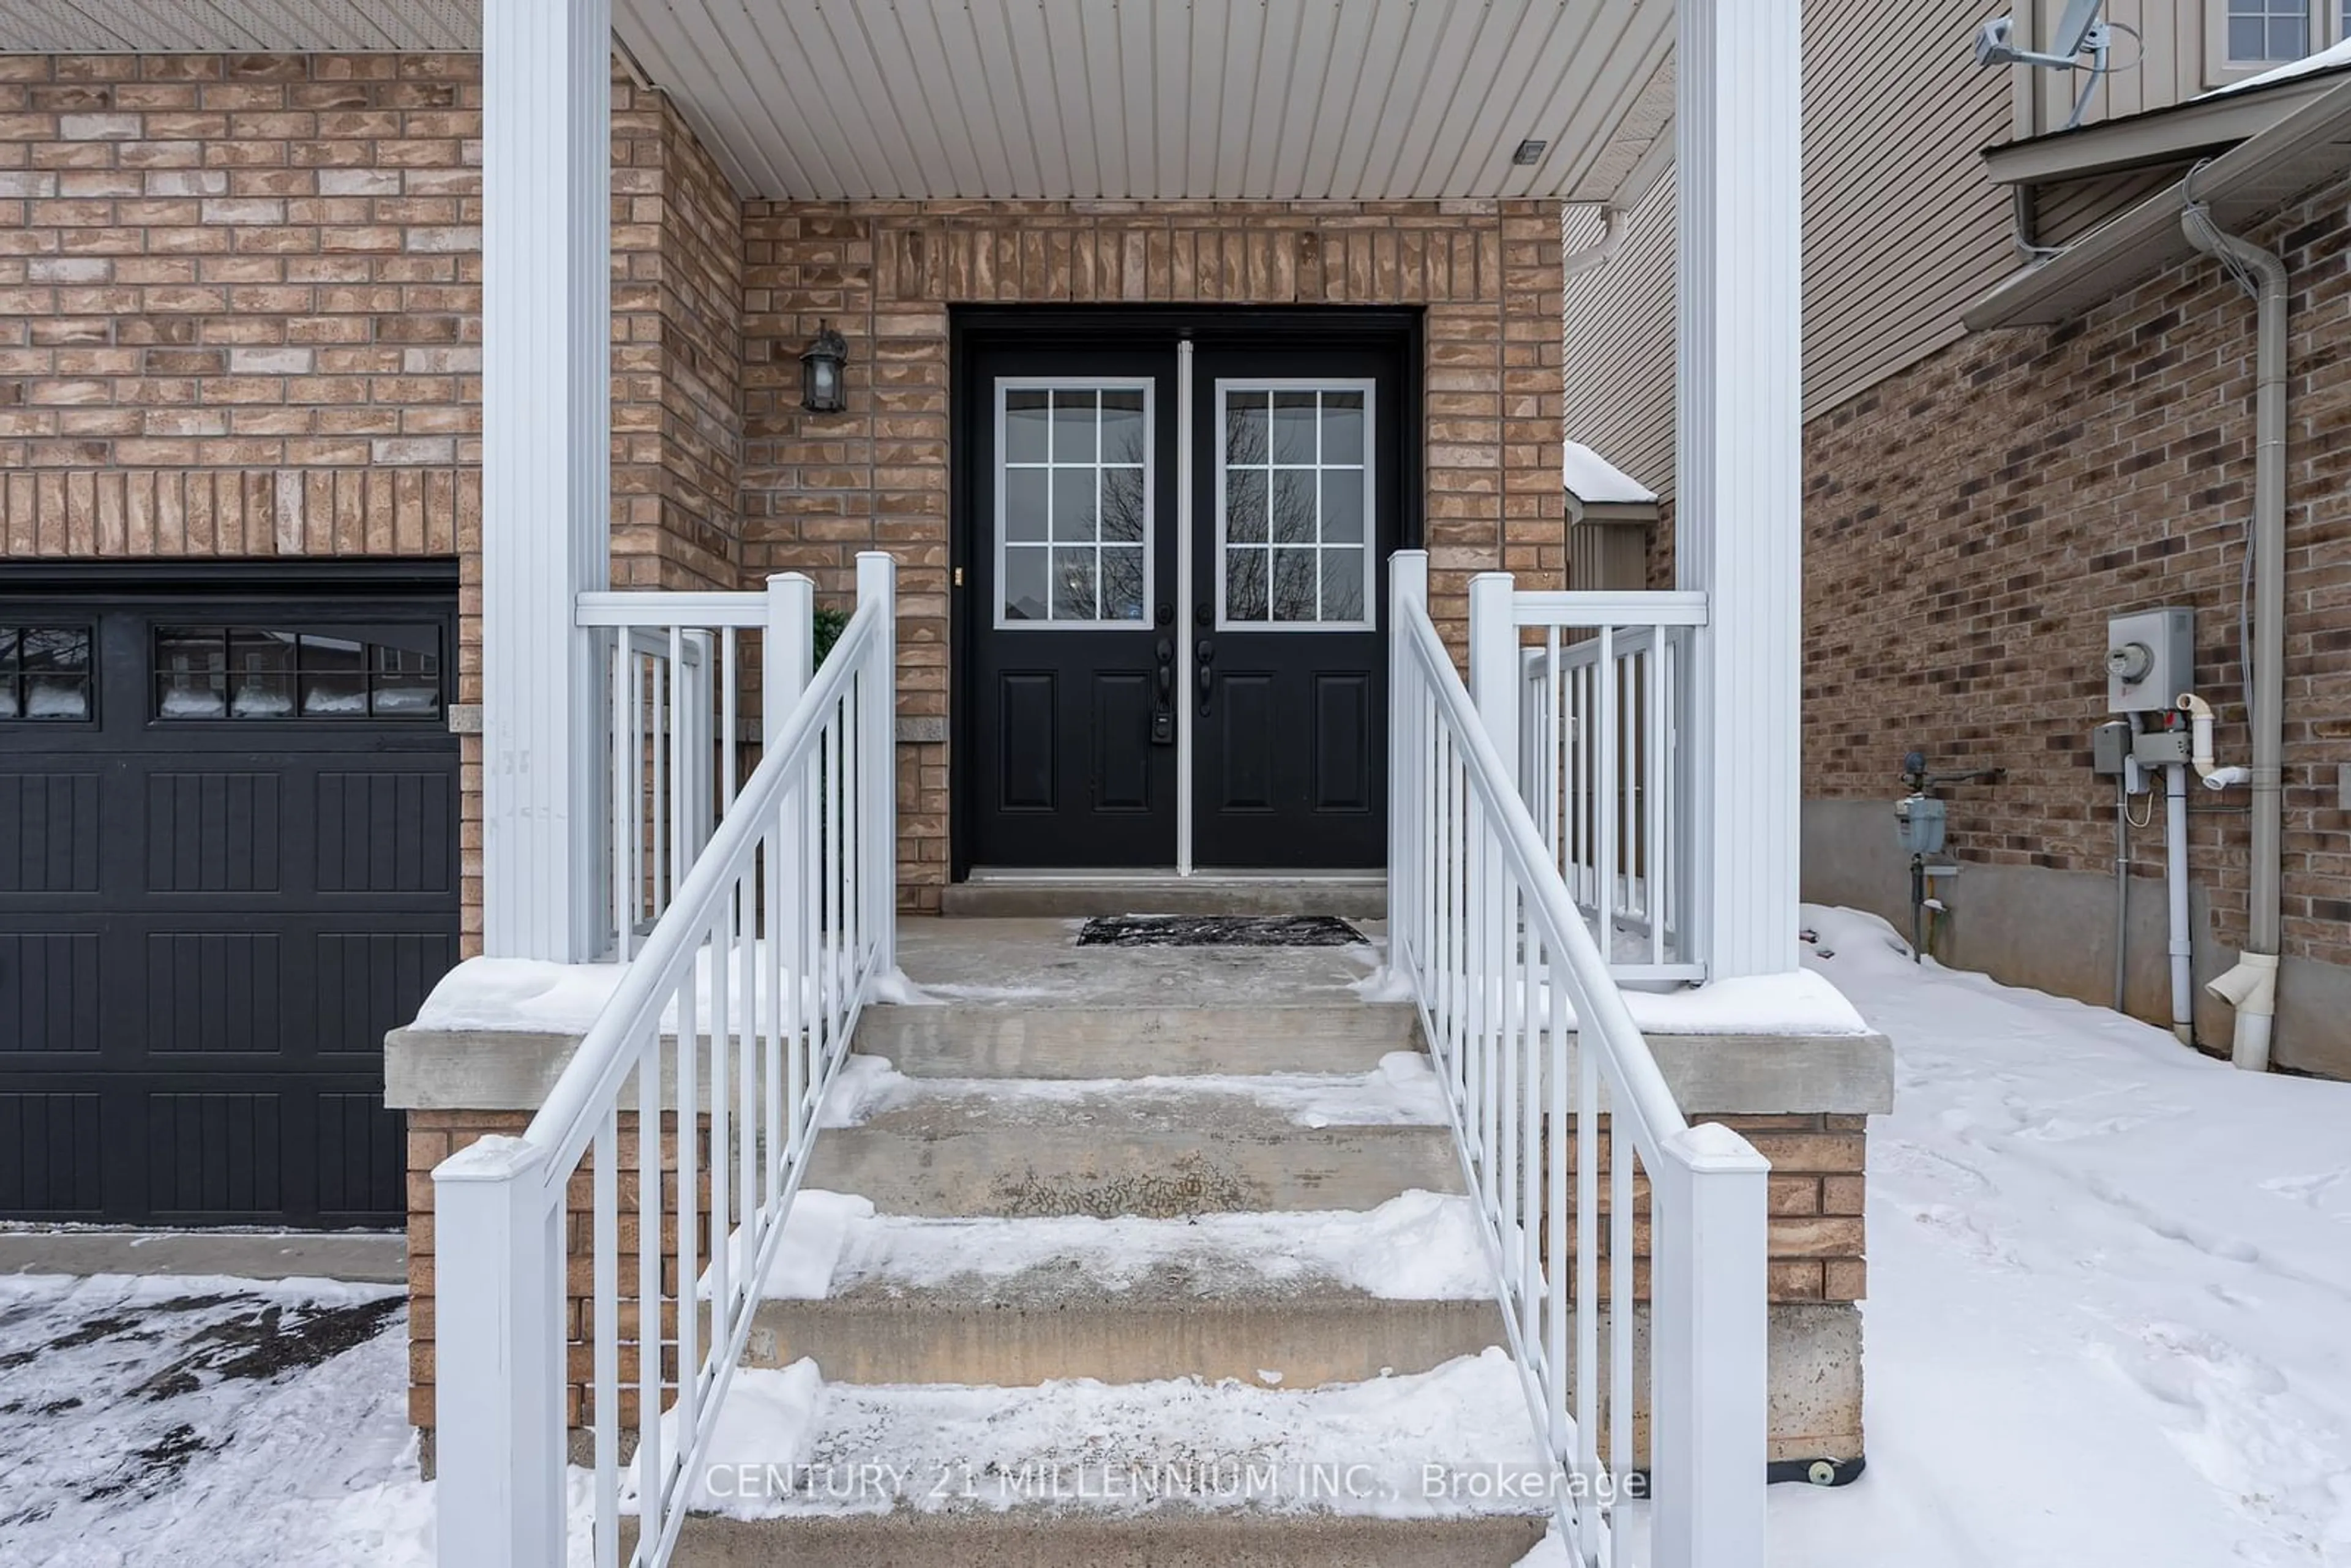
[[1205, 673], [1163, 707]]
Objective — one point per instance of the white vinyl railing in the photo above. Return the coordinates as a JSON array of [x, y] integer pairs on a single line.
[[1658, 1439], [673, 683], [1602, 715], [723, 1035]]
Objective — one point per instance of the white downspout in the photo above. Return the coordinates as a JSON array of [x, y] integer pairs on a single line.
[[1614, 223], [2175, 886], [2252, 987]]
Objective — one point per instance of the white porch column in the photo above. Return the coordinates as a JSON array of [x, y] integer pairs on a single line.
[[1739, 507], [546, 465]]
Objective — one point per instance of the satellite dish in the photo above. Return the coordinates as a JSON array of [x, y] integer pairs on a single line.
[[1996, 40], [2074, 31]]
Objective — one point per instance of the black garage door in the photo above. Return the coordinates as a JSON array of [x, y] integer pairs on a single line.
[[228, 863]]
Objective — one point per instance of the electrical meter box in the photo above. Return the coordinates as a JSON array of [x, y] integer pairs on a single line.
[[2150, 659], [1918, 823]]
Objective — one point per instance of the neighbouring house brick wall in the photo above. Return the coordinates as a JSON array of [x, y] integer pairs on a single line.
[[240, 316], [817, 488], [1972, 522]]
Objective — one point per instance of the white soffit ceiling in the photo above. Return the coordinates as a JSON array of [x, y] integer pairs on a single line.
[[1099, 99], [1163, 99], [298, 26]]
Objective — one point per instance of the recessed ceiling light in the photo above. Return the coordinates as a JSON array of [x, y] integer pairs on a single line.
[[1529, 152]]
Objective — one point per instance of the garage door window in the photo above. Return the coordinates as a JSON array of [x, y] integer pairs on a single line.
[[45, 671], [277, 673]]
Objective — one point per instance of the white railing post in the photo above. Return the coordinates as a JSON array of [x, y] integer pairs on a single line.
[[1407, 584], [786, 651], [1494, 665], [787, 664], [497, 1401], [1710, 1421], [877, 584]]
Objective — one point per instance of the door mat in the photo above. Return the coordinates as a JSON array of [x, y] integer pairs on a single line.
[[1218, 931]]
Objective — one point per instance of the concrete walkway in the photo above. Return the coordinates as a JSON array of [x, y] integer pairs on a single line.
[[363, 1257]]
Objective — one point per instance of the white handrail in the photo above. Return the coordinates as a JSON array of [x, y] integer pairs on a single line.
[[672, 680], [1532, 1041], [1602, 758], [731, 1024]]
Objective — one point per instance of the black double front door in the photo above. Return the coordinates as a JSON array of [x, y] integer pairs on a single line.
[[1174, 566]]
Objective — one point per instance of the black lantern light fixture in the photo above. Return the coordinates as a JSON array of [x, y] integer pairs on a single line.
[[822, 389]]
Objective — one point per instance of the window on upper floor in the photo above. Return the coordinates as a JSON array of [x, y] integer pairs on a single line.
[[2267, 32], [2244, 37]]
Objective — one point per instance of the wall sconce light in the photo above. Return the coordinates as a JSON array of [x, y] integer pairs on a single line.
[[821, 390]]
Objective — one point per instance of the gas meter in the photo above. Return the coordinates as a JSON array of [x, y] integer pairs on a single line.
[[1918, 824]]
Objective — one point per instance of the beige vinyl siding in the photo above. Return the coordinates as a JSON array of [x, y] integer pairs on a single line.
[[1619, 349], [2182, 40], [2065, 210], [1902, 227]]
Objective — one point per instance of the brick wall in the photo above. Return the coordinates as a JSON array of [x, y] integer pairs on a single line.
[[817, 488], [236, 300], [1973, 521], [434, 1135], [240, 316], [1816, 1247]]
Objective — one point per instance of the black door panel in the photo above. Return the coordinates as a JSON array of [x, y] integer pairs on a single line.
[[221, 882], [1291, 726], [1074, 763]]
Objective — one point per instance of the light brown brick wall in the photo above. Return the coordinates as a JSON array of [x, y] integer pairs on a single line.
[[236, 300], [240, 304], [819, 488], [1971, 523], [1817, 1248], [433, 1137]]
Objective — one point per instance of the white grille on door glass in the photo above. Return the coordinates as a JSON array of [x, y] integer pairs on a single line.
[[1293, 506], [1073, 503]]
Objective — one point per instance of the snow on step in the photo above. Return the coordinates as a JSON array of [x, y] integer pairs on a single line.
[[1418, 1246], [1400, 1091], [1449, 1443], [1296, 1300]]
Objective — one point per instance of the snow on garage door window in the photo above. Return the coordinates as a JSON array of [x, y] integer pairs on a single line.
[[45, 671], [277, 673]]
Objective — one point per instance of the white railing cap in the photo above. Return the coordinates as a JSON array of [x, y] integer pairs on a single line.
[[1557, 608]]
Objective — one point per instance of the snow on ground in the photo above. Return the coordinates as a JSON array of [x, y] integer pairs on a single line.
[[183, 1419], [157, 1422], [2109, 1315], [1417, 1246]]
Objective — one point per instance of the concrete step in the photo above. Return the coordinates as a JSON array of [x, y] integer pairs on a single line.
[[1156, 1147], [1000, 1040], [1033, 1331], [1165, 1539], [1295, 1300], [1182, 1471]]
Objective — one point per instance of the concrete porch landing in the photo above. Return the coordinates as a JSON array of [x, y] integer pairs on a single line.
[[1024, 1000]]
